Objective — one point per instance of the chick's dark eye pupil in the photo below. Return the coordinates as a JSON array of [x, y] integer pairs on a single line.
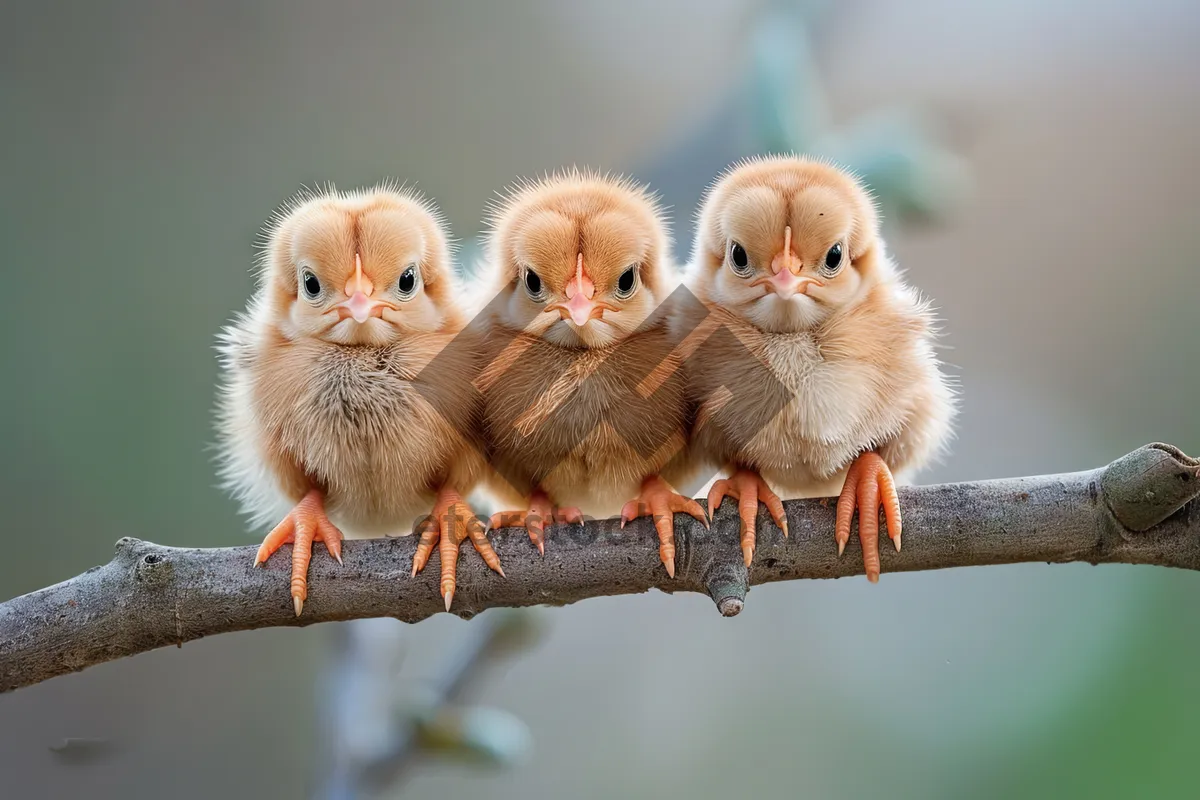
[[739, 256], [532, 282], [312, 286], [408, 280], [833, 258], [625, 282]]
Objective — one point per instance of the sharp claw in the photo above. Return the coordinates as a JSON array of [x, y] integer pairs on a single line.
[[896, 542], [298, 603], [501, 571], [670, 565], [873, 577], [748, 554], [841, 548], [695, 512], [449, 599], [714, 501], [338, 556], [784, 527]]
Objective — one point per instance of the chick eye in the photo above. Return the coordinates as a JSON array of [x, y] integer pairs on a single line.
[[406, 287], [739, 260], [627, 283], [533, 284], [833, 260], [312, 286]]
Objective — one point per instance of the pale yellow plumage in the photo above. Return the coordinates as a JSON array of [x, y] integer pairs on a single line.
[[852, 344], [325, 407]]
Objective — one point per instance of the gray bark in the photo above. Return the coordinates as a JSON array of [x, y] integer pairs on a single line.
[[1137, 510]]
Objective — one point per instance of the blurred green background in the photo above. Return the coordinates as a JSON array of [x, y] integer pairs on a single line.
[[142, 144]]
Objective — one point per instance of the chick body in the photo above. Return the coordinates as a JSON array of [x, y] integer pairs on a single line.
[[867, 380], [851, 346], [347, 419], [327, 415], [593, 452], [585, 406]]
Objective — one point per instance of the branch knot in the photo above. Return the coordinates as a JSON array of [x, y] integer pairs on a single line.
[[1149, 485]]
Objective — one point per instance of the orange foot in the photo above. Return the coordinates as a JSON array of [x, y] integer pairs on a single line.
[[869, 484], [660, 502], [305, 524], [452, 521], [748, 488], [534, 519]]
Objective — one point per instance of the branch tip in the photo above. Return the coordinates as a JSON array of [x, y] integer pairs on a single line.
[[730, 606]]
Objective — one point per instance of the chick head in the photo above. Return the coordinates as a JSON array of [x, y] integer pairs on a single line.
[[359, 268], [581, 259], [784, 242]]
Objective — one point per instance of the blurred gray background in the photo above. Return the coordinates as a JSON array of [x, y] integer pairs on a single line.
[[142, 145]]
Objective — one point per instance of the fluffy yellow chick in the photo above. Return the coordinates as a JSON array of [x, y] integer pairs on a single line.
[[788, 258], [322, 417], [584, 401]]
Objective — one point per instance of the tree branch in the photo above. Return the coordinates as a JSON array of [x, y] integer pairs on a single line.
[[1137, 510]]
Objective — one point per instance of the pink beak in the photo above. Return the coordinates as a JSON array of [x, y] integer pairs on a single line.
[[786, 266], [360, 306], [580, 308]]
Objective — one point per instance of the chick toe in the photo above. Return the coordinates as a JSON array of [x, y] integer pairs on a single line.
[[748, 488], [304, 524], [869, 484]]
